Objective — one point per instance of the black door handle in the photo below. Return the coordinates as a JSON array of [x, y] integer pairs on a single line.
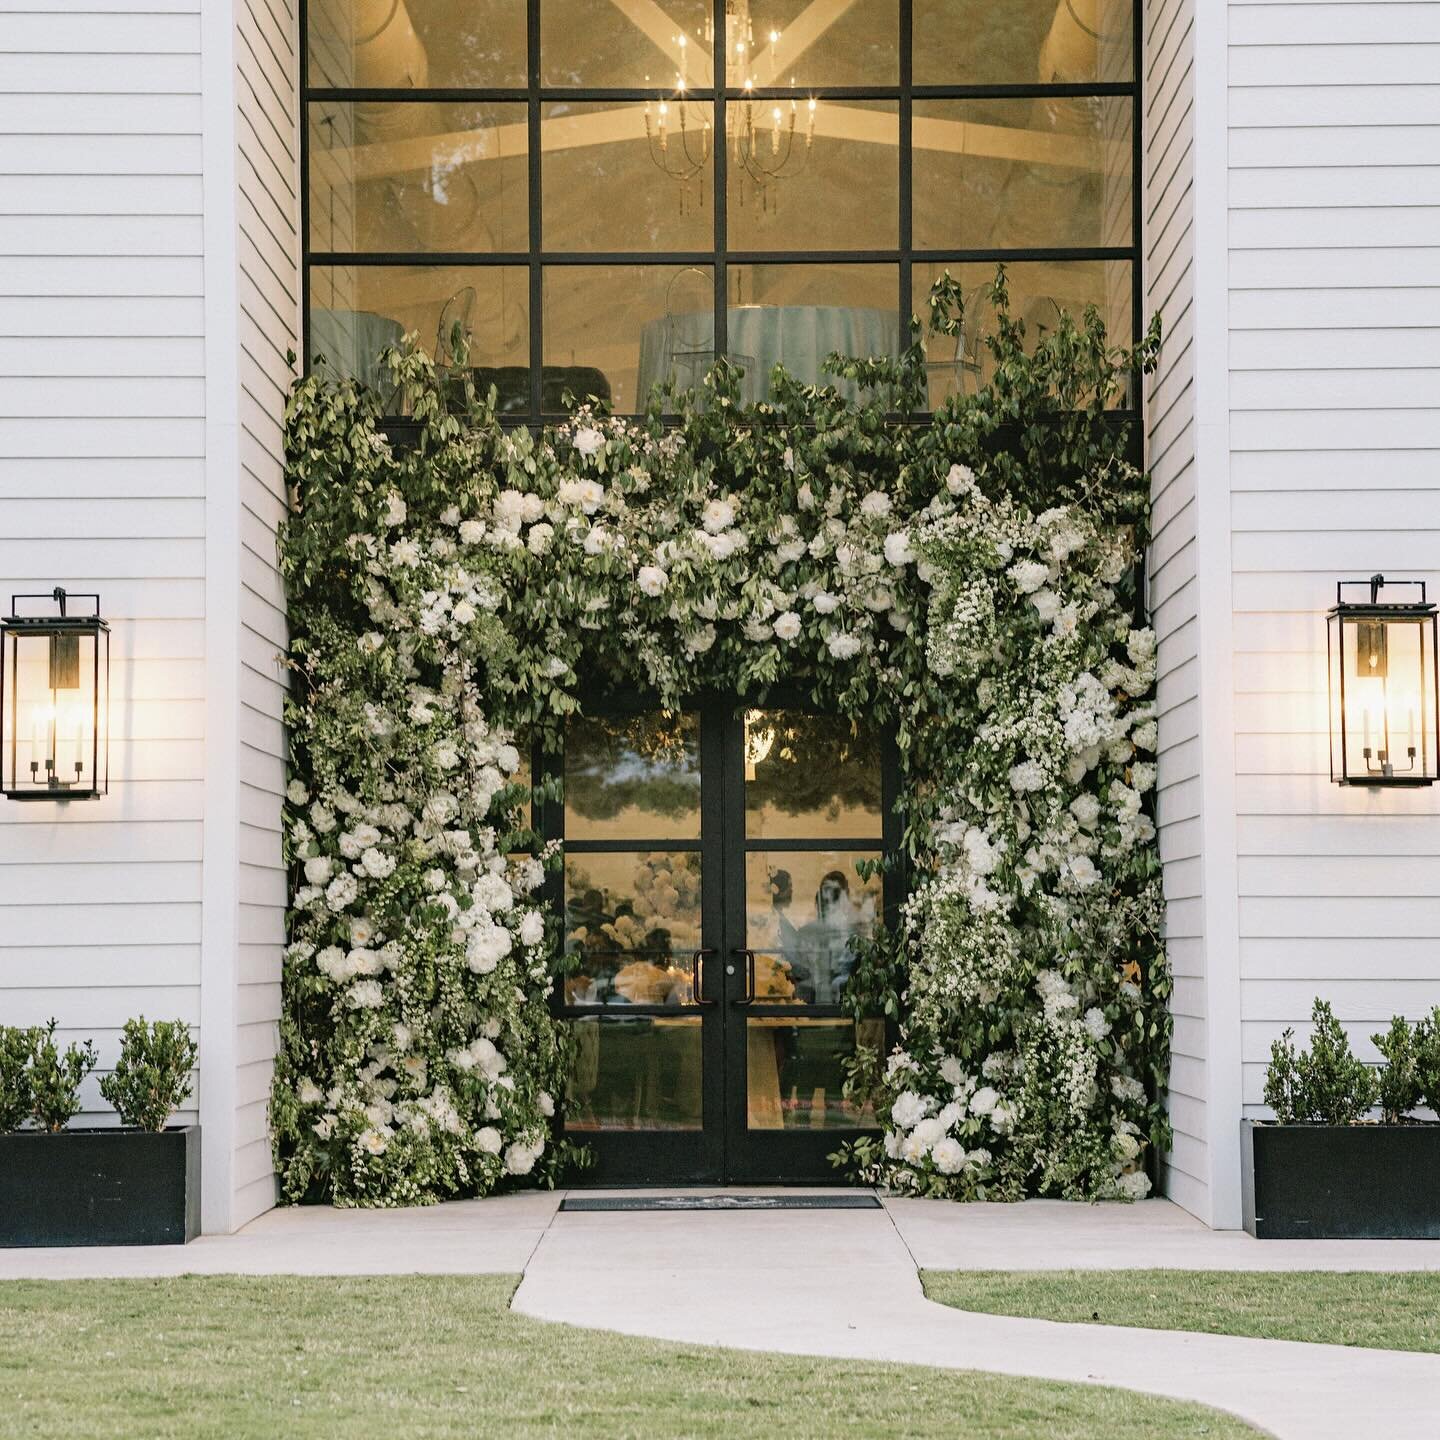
[[748, 995], [697, 978]]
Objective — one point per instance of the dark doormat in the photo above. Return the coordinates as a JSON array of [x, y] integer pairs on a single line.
[[603, 1203]]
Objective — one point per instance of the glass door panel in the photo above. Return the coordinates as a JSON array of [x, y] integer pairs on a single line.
[[721, 874]]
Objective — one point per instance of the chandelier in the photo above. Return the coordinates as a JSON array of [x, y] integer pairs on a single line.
[[763, 147]]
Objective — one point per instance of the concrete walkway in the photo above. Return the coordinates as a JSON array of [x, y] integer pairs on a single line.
[[844, 1284]]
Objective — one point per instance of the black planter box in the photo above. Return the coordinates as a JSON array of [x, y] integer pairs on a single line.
[[1341, 1182], [100, 1187]]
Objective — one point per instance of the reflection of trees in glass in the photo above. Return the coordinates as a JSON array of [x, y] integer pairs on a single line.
[[815, 764], [650, 761], [658, 910]]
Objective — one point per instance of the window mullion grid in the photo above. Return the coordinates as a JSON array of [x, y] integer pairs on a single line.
[[907, 80], [535, 274], [720, 183]]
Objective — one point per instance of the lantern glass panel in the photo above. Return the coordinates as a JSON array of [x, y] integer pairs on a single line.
[[57, 695], [1388, 687]]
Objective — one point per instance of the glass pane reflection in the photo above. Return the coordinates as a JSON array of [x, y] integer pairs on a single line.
[[805, 914], [418, 176], [629, 978], [795, 1073], [642, 1073], [357, 310], [1047, 173], [613, 331], [809, 776], [976, 42], [592, 43], [632, 777], [414, 44], [642, 901], [1039, 290]]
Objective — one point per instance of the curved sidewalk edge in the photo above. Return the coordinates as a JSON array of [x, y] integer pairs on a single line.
[[844, 1284]]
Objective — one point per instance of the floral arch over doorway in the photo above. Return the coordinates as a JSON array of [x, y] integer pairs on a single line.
[[971, 581]]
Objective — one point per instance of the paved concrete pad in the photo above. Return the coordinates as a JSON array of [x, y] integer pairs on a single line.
[[464, 1237], [844, 1284], [1152, 1234]]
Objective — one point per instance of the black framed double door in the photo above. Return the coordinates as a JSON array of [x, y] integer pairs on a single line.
[[718, 884]]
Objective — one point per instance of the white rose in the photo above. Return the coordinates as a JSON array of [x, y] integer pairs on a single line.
[[897, 549], [372, 1142], [394, 509], [588, 440], [908, 1109], [652, 580], [1083, 873], [875, 504], [341, 891], [365, 995], [1086, 810], [377, 865]]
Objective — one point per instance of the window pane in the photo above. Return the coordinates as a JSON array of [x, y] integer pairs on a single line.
[[593, 42], [808, 909], [795, 1073], [642, 1073], [416, 176], [641, 901], [808, 776], [356, 310], [797, 42], [1022, 42], [796, 315], [1023, 173], [627, 176], [629, 977], [1039, 291], [633, 777], [416, 44], [821, 180], [614, 330]]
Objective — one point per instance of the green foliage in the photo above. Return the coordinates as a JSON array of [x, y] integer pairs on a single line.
[[55, 1077], [476, 583], [152, 1077], [1399, 1081], [1427, 1058], [16, 1101], [1324, 1085]]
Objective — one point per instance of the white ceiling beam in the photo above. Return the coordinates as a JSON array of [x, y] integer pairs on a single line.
[[797, 37], [652, 22]]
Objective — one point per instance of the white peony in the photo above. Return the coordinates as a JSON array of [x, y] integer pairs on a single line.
[[909, 1109], [876, 504], [472, 532], [1028, 575], [319, 870], [824, 602], [960, 479], [341, 891], [1047, 604], [652, 580], [394, 509], [948, 1156], [897, 548], [844, 647], [1082, 871], [377, 865], [718, 515], [787, 625], [365, 995], [372, 1142], [532, 928], [486, 946], [296, 793], [487, 1140], [1086, 810], [984, 1100]]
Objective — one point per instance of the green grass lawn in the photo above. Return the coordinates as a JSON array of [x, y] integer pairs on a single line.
[[386, 1358], [1384, 1311]]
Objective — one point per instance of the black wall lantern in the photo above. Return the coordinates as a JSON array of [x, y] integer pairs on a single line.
[[1384, 693], [54, 702]]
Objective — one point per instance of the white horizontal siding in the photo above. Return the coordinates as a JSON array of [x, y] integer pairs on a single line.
[[1168, 174], [1334, 313], [101, 416]]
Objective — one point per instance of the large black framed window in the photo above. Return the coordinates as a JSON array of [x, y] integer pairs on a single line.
[[601, 194]]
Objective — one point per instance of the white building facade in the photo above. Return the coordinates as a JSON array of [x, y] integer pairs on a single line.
[[150, 293]]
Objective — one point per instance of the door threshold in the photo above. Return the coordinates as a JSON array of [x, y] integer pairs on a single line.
[[610, 1204]]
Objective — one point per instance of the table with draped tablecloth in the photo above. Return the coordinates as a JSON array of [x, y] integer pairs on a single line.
[[682, 347]]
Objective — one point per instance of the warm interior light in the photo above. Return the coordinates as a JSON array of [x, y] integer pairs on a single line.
[[759, 741]]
